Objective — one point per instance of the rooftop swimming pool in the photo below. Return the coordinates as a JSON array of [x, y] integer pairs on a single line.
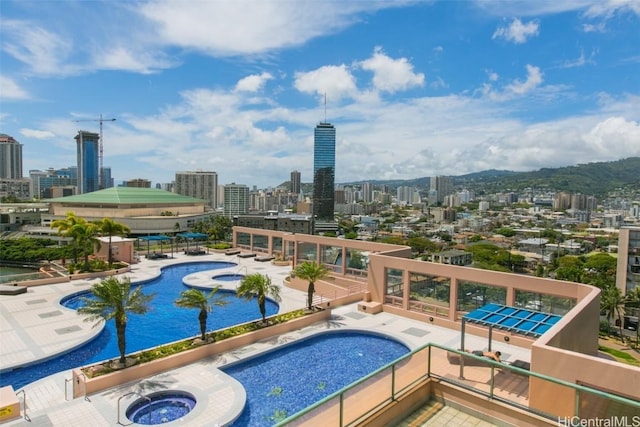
[[164, 323], [284, 381]]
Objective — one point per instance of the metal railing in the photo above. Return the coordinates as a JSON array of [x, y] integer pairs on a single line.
[[362, 398], [147, 398], [24, 403]]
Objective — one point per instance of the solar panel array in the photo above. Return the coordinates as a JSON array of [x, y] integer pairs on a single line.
[[513, 319]]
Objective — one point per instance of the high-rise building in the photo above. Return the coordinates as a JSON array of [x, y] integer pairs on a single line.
[[88, 149], [324, 165], [107, 179], [138, 183], [367, 192], [236, 199], [43, 181], [10, 157], [295, 182], [198, 184], [628, 271], [443, 186]]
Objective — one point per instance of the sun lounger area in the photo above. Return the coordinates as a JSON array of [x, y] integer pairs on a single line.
[[264, 258]]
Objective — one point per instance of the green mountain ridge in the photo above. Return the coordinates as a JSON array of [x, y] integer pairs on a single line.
[[598, 179]]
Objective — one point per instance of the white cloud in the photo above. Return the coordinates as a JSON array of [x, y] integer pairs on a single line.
[[579, 61], [516, 88], [534, 79], [336, 82], [37, 134], [43, 51], [391, 75], [517, 32], [9, 89], [123, 58], [253, 83], [600, 27], [608, 8], [439, 83], [245, 27]]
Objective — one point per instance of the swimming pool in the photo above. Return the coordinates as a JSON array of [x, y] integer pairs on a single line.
[[163, 324], [282, 382]]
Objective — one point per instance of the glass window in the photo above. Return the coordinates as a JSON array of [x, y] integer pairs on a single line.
[[307, 252], [544, 302], [244, 239], [472, 295], [331, 256], [277, 245], [394, 282], [429, 289], [260, 242]]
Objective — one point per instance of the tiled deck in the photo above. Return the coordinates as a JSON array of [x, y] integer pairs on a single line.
[[35, 326]]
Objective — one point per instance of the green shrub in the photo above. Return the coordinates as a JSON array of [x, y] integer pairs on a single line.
[[180, 346]]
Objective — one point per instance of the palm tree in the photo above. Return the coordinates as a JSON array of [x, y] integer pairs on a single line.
[[86, 236], [259, 286], [612, 303], [193, 298], [64, 226], [312, 272], [114, 299], [111, 228]]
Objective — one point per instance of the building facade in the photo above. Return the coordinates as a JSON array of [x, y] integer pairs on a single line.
[[236, 199], [88, 152], [296, 182], [442, 186], [10, 158], [324, 165], [628, 270], [198, 184]]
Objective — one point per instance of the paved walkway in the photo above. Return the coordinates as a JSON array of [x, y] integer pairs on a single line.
[[35, 326]]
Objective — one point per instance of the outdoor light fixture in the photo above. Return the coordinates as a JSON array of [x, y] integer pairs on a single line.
[[506, 338], [430, 319]]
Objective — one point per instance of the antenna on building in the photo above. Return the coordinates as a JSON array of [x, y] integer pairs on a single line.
[[325, 106]]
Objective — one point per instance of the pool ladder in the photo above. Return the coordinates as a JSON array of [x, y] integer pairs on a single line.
[[68, 380], [24, 403], [147, 398]]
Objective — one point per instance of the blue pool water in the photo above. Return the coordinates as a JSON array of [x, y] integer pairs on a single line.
[[164, 323], [285, 381], [161, 408], [228, 277]]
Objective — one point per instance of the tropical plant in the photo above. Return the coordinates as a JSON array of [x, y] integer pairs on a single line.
[[259, 286], [64, 226], [86, 236], [612, 304], [311, 272], [113, 299], [110, 228], [193, 298]]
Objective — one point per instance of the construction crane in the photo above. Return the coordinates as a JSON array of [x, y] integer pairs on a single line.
[[100, 147]]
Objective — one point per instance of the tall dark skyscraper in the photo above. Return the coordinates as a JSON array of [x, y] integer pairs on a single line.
[[88, 165], [295, 182], [10, 157], [324, 166]]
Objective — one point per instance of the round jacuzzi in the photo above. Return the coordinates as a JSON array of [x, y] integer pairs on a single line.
[[229, 277], [161, 407]]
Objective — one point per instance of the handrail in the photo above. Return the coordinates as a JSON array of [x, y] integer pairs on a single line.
[[147, 398], [430, 374], [66, 381], [24, 403]]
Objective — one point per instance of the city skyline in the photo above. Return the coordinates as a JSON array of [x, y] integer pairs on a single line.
[[416, 88]]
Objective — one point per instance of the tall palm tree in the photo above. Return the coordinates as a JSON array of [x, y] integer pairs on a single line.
[[193, 298], [111, 228], [86, 236], [612, 303], [65, 225], [311, 272], [259, 286], [113, 299]]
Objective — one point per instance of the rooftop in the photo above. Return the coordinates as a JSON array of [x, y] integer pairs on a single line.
[[127, 195]]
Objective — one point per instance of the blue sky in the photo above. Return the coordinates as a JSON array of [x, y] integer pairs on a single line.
[[414, 88]]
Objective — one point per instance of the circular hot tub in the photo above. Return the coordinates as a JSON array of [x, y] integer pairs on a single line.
[[161, 407], [229, 277]]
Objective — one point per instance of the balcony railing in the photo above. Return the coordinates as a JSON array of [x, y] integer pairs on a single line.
[[497, 381]]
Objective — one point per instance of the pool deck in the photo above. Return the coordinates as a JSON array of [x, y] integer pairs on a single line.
[[34, 326]]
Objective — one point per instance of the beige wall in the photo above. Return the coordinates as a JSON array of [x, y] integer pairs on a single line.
[[122, 249], [568, 351], [60, 209]]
